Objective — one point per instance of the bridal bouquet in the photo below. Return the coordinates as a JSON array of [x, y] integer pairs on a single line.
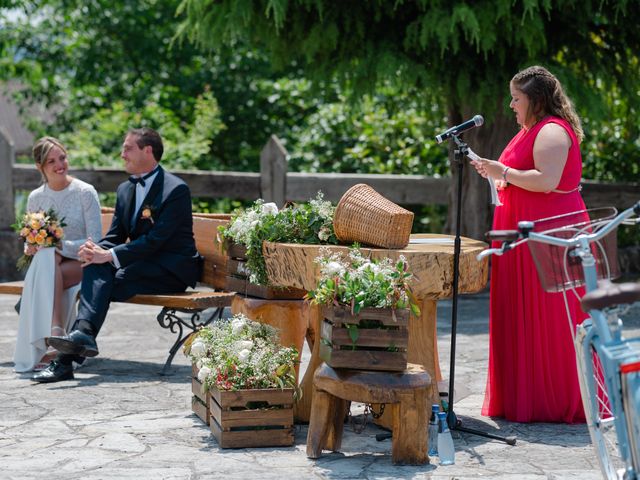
[[239, 354], [39, 230]]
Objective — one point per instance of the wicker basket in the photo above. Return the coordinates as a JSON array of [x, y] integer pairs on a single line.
[[365, 216]]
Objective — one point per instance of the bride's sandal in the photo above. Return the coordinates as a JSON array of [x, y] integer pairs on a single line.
[[46, 359], [51, 353], [57, 331]]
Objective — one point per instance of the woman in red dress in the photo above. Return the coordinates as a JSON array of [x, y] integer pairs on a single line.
[[532, 364]]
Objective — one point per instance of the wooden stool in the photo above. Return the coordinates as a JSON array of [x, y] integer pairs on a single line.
[[405, 393]]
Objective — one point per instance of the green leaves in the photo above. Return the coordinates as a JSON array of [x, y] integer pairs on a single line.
[[466, 50], [360, 282], [297, 224], [362, 86], [385, 133], [97, 140], [241, 354], [353, 331], [308, 223]]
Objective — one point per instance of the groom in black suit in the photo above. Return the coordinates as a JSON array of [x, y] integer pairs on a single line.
[[149, 249]]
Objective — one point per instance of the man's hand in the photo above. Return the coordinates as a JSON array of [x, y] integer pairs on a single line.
[[90, 253]]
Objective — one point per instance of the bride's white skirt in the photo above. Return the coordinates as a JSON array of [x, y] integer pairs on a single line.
[[36, 310]]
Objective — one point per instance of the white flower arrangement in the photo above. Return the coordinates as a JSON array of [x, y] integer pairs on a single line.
[[309, 223], [243, 224], [360, 282], [238, 354]]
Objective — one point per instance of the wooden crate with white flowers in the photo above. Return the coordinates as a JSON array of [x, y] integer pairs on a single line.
[[252, 417], [200, 398], [375, 339], [250, 379], [238, 278]]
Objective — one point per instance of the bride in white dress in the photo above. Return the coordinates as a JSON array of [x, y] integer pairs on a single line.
[[53, 279]]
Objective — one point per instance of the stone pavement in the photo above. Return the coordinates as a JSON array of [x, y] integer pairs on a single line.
[[119, 420]]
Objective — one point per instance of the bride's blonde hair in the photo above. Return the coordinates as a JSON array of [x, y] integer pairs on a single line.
[[41, 150]]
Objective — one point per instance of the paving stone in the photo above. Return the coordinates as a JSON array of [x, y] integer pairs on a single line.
[[120, 420]]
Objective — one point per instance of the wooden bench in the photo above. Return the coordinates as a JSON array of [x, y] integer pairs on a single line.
[[208, 294]]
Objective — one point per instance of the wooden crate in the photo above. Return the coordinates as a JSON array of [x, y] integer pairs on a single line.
[[238, 278], [200, 399], [238, 422], [381, 342]]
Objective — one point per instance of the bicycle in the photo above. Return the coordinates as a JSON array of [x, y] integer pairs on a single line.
[[575, 255]]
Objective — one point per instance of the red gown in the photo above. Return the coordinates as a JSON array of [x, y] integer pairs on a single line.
[[532, 363]]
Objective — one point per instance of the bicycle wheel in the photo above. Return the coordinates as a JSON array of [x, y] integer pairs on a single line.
[[597, 406]]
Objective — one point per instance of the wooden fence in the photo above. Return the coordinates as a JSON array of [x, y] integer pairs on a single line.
[[272, 183], [275, 183]]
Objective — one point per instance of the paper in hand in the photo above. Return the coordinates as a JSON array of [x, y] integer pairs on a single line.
[[492, 184], [472, 155]]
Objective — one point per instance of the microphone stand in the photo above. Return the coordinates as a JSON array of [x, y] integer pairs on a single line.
[[455, 423]]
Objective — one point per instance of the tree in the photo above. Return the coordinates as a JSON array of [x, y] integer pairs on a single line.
[[465, 52], [103, 68], [85, 54], [92, 60]]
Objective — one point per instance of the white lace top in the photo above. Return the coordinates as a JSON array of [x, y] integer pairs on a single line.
[[80, 207]]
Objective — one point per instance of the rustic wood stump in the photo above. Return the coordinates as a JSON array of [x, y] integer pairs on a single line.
[[430, 258], [302, 408], [403, 393]]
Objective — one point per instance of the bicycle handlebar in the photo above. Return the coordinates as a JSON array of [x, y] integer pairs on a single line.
[[489, 251], [525, 234], [589, 237]]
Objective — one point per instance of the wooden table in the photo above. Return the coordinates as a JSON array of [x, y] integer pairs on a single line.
[[430, 259]]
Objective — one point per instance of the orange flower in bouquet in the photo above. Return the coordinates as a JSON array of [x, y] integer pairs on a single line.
[[38, 230]]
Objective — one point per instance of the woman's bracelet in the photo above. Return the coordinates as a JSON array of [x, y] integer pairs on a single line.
[[504, 174]]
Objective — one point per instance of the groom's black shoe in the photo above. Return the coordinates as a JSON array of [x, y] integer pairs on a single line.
[[76, 343], [55, 372]]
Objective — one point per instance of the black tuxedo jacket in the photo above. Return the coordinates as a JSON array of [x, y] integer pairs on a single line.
[[164, 238]]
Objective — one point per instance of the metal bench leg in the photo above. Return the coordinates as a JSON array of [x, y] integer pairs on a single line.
[[168, 318]]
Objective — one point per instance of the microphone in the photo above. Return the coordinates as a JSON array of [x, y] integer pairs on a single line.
[[476, 121]]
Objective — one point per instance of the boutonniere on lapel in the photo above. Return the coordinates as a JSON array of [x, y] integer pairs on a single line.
[[147, 213]]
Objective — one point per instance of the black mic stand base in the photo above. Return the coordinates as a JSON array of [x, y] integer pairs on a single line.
[[509, 440], [457, 426]]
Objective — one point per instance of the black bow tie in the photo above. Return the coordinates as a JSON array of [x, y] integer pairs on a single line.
[[141, 180]]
